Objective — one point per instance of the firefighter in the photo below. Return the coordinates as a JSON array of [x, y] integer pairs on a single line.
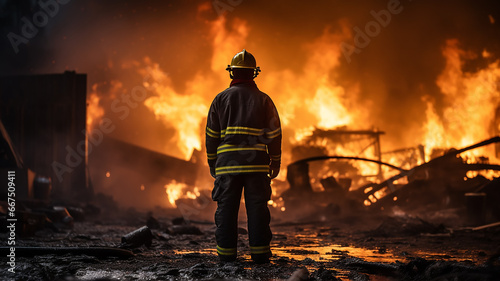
[[243, 141]]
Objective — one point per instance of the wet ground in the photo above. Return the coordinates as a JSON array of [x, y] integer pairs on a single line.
[[357, 247]]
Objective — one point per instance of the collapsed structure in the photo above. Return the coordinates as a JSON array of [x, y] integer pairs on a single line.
[[443, 182]]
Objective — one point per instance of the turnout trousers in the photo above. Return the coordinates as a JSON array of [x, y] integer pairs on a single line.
[[227, 193]]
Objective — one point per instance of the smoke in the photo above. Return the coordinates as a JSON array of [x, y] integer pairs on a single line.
[[397, 67], [383, 83]]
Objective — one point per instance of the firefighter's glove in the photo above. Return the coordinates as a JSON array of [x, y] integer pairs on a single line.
[[274, 169], [212, 171]]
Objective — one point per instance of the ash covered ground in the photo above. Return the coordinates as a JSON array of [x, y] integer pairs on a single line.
[[357, 246]]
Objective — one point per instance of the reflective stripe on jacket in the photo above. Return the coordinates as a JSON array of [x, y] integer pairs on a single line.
[[243, 130]]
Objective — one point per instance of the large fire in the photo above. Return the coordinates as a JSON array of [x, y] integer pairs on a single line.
[[311, 98], [183, 112], [471, 101], [305, 99]]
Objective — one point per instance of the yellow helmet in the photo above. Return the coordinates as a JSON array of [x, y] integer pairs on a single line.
[[244, 59]]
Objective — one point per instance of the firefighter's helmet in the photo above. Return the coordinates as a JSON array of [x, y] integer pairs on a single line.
[[243, 59]]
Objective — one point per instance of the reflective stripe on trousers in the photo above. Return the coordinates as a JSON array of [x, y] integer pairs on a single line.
[[257, 191]]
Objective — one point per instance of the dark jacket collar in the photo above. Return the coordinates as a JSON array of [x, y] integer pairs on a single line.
[[242, 82]]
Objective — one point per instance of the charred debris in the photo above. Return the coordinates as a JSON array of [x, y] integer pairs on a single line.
[[443, 183]]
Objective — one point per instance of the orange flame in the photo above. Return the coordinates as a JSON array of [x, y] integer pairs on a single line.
[[185, 112], [94, 110], [326, 102], [312, 98], [177, 190], [434, 128], [182, 112], [226, 43], [174, 191], [471, 97]]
